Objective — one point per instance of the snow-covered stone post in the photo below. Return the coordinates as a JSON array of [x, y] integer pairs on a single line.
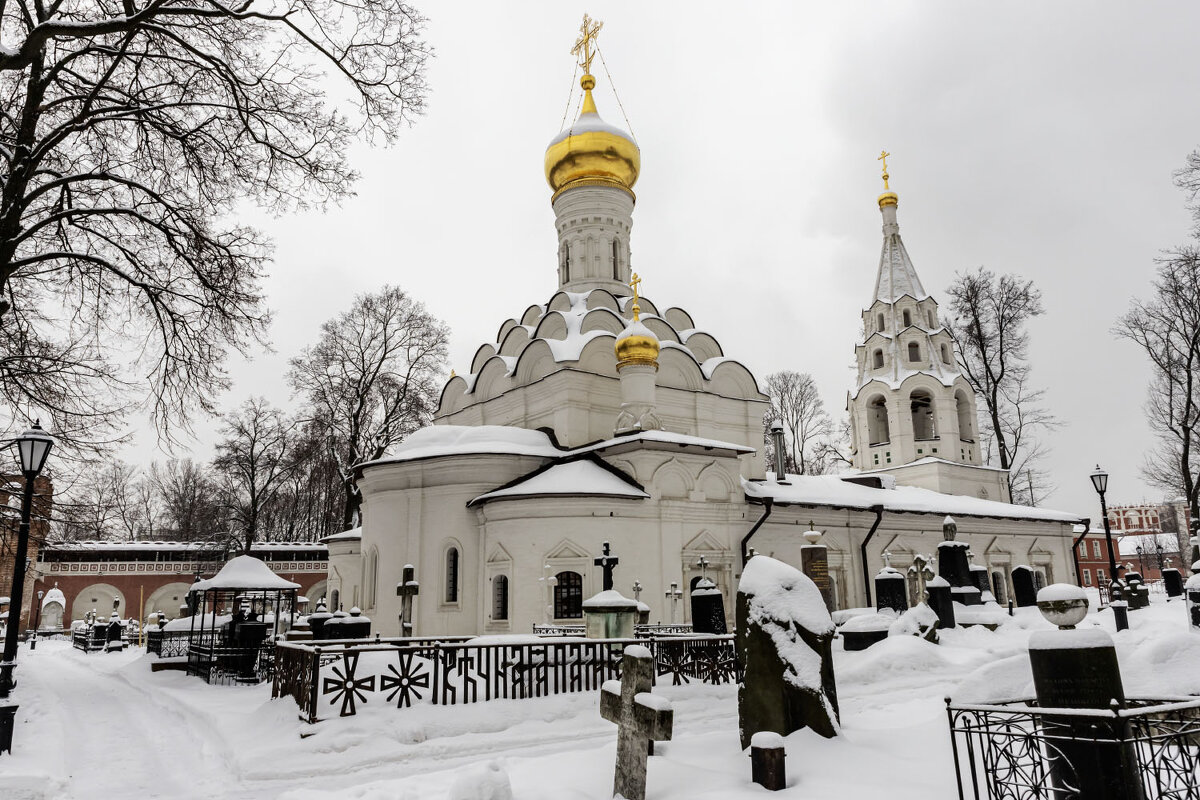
[[784, 644], [1077, 668], [407, 590], [641, 717], [767, 761]]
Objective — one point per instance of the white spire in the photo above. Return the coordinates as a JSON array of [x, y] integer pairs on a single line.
[[897, 275]]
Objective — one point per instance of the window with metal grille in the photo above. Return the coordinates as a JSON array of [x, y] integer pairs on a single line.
[[568, 596]]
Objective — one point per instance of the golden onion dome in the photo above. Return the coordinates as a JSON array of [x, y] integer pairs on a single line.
[[591, 152], [637, 344], [888, 199]]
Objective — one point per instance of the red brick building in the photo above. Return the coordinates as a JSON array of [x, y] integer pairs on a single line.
[[1092, 552], [11, 488], [143, 577]]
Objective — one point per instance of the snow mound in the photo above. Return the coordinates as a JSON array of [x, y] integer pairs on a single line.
[[893, 656], [482, 782]]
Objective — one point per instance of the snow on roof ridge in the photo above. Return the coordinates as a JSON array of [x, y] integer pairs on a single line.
[[448, 440], [580, 477]]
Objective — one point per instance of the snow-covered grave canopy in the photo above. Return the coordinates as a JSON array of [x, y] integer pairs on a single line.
[[244, 572]]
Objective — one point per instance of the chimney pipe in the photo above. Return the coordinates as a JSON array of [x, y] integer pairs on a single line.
[[777, 443]]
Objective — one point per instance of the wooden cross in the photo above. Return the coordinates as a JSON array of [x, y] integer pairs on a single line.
[[883, 156], [407, 589], [607, 562], [641, 719], [589, 30]]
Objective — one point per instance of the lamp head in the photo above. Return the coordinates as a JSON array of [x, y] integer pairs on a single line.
[[33, 447], [1100, 480]]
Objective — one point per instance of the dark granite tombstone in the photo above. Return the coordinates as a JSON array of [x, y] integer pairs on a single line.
[[113, 634], [814, 562], [355, 626], [1192, 590], [776, 639], [1023, 591], [980, 580], [941, 601], [708, 608], [317, 620], [1136, 591], [1079, 669], [1173, 581], [955, 569], [891, 590]]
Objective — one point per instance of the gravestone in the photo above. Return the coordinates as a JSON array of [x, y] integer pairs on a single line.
[[1023, 591], [783, 632], [407, 590], [708, 607], [941, 600], [891, 590], [767, 759], [1078, 669], [954, 566], [352, 626], [1136, 592], [1173, 581], [814, 562], [317, 620], [981, 581], [113, 633], [1192, 594], [641, 717]]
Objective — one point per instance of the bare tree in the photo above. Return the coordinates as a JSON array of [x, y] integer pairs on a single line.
[[1167, 328], [371, 380], [129, 134], [989, 317], [101, 504], [797, 405], [188, 497], [255, 459]]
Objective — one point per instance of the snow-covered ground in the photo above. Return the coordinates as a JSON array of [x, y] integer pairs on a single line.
[[103, 726]]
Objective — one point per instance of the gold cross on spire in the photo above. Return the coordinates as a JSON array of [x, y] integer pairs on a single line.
[[589, 30], [883, 156], [633, 284]]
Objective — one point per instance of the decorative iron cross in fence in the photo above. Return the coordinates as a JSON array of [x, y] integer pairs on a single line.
[[607, 562], [641, 718], [407, 589]]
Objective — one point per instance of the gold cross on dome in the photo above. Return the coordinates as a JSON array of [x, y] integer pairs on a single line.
[[633, 284], [883, 156], [588, 31]]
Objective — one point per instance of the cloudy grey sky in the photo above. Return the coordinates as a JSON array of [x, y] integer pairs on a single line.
[[1033, 138]]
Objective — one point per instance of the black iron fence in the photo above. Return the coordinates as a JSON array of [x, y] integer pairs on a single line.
[[640, 631], [91, 639], [167, 644], [229, 664], [341, 676], [1017, 750]]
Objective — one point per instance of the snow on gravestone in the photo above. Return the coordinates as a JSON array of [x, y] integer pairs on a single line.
[[785, 642]]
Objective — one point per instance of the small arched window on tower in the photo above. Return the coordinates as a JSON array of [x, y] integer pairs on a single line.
[[921, 409], [966, 431], [877, 421], [929, 316], [914, 351], [878, 359], [500, 597], [566, 262], [945, 353], [452, 575], [907, 318], [879, 322], [616, 259]]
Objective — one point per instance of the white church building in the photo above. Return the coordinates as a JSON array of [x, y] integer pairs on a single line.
[[601, 416]]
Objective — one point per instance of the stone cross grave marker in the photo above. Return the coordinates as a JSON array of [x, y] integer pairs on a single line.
[[407, 589], [921, 571], [673, 594], [641, 719], [607, 562]]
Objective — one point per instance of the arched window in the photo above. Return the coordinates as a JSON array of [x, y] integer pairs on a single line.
[[878, 359], [334, 601], [370, 573], [877, 421], [945, 353], [568, 596], [616, 260], [452, 575], [929, 316], [500, 597], [907, 318], [914, 351], [966, 431], [879, 322], [566, 262], [922, 415]]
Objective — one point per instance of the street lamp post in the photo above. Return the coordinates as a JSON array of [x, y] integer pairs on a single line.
[[37, 619], [33, 446], [1100, 482]]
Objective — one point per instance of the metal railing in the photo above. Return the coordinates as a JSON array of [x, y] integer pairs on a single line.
[[347, 674], [1017, 750], [640, 631]]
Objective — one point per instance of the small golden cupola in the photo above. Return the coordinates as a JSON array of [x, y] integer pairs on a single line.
[[591, 152], [637, 344]]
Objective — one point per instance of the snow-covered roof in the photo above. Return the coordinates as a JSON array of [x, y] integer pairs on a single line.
[[578, 330], [98, 546], [55, 595], [589, 122], [244, 572], [681, 440], [930, 460], [897, 275], [353, 533], [832, 490], [455, 440], [579, 478]]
